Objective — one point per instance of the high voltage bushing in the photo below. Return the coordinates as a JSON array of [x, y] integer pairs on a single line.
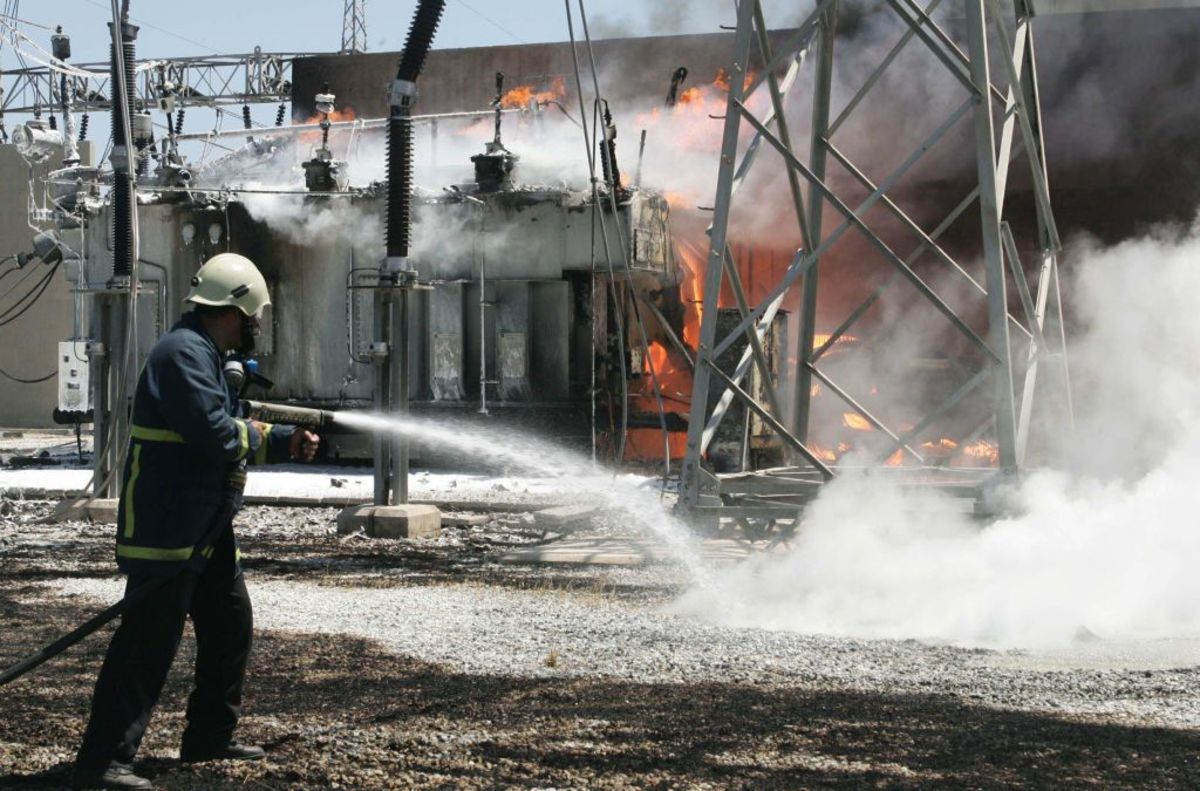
[[399, 209], [122, 211]]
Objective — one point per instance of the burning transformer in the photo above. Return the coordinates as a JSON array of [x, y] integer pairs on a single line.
[[519, 311]]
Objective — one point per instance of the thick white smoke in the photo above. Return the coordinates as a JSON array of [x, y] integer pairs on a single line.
[[1107, 548]]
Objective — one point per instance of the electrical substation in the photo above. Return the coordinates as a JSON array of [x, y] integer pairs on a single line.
[[759, 339]]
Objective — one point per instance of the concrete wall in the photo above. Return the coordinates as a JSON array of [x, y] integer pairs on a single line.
[[1118, 97], [463, 79], [28, 346]]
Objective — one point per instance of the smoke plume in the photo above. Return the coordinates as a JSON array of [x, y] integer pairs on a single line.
[[1105, 548]]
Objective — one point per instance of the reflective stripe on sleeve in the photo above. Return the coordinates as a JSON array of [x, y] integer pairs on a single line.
[[260, 455], [243, 439], [134, 471]]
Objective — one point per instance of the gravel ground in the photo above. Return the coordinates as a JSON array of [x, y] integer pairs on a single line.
[[429, 664]]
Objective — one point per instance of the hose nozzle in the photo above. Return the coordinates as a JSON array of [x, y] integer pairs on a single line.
[[286, 413]]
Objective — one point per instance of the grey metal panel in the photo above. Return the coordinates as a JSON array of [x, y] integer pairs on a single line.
[[551, 347], [446, 342], [512, 339]]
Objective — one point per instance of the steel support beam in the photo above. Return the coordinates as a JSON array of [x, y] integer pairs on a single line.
[[719, 239], [984, 396], [993, 258]]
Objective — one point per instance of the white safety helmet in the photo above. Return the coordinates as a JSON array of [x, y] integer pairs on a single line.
[[230, 279]]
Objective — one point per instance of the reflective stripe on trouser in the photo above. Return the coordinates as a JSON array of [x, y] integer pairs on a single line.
[[144, 645], [158, 553]]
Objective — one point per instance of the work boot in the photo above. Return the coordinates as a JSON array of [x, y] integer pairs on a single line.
[[230, 751], [115, 775]]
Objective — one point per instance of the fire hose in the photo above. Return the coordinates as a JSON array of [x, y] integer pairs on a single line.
[[235, 485]]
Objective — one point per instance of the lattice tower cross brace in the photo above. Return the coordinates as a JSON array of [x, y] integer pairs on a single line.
[[973, 70], [354, 27]]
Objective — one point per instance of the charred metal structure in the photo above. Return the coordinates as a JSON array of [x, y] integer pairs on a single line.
[[1015, 351]]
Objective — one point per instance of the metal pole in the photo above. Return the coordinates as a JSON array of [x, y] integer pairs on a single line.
[[381, 445], [997, 301], [816, 203], [398, 393], [690, 475]]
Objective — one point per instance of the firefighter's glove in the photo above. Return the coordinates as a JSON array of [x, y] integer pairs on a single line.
[[303, 445]]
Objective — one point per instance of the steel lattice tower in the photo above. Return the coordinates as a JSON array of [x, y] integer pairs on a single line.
[[354, 26], [1013, 326]]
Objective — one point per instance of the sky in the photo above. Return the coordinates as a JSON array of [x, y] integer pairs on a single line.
[[229, 27], [236, 26]]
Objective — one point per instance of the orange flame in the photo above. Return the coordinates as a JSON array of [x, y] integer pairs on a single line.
[[691, 290], [675, 387], [856, 421], [822, 453], [982, 452], [722, 80], [520, 97], [341, 114]]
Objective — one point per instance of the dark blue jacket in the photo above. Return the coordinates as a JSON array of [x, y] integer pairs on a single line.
[[183, 438]]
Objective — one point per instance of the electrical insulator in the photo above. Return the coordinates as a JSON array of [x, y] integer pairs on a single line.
[[143, 129], [279, 114], [245, 116], [179, 121], [60, 44], [83, 126]]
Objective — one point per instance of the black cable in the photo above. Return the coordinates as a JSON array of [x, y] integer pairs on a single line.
[[4, 317], [19, 380], [235, 484], [9, 272], [30, 272], [41, 287]]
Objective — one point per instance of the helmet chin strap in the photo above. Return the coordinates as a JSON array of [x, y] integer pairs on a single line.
[[249, 333]]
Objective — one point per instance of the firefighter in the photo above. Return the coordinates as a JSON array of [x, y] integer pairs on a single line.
[[184, 438]]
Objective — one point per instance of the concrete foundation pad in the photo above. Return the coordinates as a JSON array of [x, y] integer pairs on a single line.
[[392, 521], [630, 551], [558, 517], [80, 509], [465, 520]]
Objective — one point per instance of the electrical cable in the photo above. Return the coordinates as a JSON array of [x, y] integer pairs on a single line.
[[40, 288], [144, 23], [13, 18], [22, 381], [591, 160], [611, 174], [492, 22], [30, 272]]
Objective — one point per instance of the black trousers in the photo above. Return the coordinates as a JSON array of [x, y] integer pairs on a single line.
[[144, 645]]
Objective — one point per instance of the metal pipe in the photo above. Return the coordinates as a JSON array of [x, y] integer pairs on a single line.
[[356, 124]]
